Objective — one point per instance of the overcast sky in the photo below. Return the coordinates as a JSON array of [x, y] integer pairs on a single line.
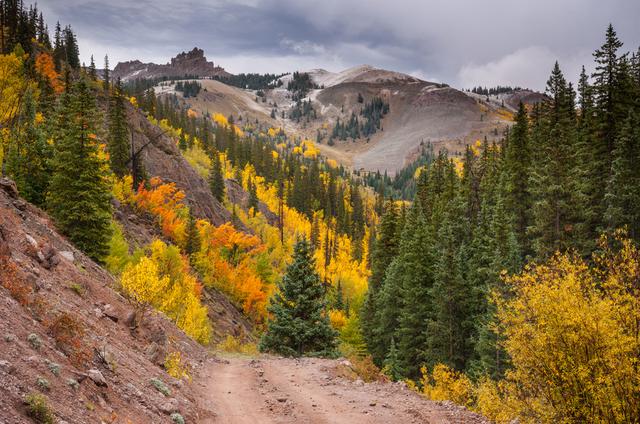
[[460, 42]]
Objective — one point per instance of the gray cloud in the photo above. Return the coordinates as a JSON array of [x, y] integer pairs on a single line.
[[461, 42]]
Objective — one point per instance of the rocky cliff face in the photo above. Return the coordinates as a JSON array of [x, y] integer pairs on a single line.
[[192, 63]]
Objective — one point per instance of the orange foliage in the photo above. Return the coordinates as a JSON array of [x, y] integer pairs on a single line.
[[164, 201], [227, 261], [44, 66]]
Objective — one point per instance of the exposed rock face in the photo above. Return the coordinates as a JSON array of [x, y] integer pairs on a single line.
[[192, 63]]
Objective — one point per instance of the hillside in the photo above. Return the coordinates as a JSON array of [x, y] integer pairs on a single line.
[[419, 112], [67, 333]]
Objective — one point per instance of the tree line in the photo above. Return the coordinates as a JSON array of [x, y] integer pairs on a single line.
[[567, 171]]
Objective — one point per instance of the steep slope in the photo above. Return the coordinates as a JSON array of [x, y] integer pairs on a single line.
[[192, 63], [161, 157], [66, 333]]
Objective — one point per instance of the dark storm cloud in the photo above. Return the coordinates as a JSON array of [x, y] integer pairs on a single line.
[[461, 42]]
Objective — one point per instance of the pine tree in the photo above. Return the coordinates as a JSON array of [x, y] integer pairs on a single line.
[[79, 197], [92, 70], [623, 188], [383, 253], [518, 163], [253, 196], [192, 243], [391, 364], [552, 184], [418, 260], [605, 87], [216, 180], [71, 48], [106, 82], [27, 158], [118, 142], [299, 325]]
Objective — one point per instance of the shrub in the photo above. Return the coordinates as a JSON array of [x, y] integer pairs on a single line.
[[18, 289], [73, 383], [235, 345], [54, 368], [160, 386], [43, 384], [174, 366], [447, 384], [78, 289], [38, 408], [34, 341], [68, 333], [177, 418], [366, 369]]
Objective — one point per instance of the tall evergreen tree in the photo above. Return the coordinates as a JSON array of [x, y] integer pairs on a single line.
[[106, 74], [623, 188], [518, 165], [216, 179], [118, 140], [192, 243], [27, 160], [384, 251], [79, 196], [300, 325]]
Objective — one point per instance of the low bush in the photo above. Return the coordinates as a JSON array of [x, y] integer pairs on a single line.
[[235, 345], [160, 386], [38, 408]]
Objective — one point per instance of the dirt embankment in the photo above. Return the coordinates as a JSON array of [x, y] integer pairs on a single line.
[[67, 334]]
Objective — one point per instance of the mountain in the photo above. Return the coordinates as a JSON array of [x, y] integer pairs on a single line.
[[192, 63], [419, 112]]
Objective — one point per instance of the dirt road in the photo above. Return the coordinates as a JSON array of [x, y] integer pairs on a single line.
[[274, 390]]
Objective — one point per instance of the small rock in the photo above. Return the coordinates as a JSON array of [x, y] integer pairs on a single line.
[[169, 406], [97, 377], [20, 204], [372, 404], [67, 254], [282, 399], [5, 366], [31, 241], [9, 187]]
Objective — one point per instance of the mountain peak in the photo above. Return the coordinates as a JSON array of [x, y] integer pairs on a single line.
[[191, 63]]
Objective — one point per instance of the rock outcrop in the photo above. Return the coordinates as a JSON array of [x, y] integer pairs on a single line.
[[185, 64]]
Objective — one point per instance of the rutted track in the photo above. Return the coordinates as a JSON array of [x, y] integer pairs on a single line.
[[284, 391]]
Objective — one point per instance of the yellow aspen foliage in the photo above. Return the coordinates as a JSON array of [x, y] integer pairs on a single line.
[[571, 332], [337, 318], [447, 384], [12, 87], [164, 281], [175, 367]]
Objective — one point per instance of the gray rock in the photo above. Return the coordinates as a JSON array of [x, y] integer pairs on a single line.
[[7, 367], [97, 377], [169, 406], [9, 187], [67, 254], [31, 241]]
